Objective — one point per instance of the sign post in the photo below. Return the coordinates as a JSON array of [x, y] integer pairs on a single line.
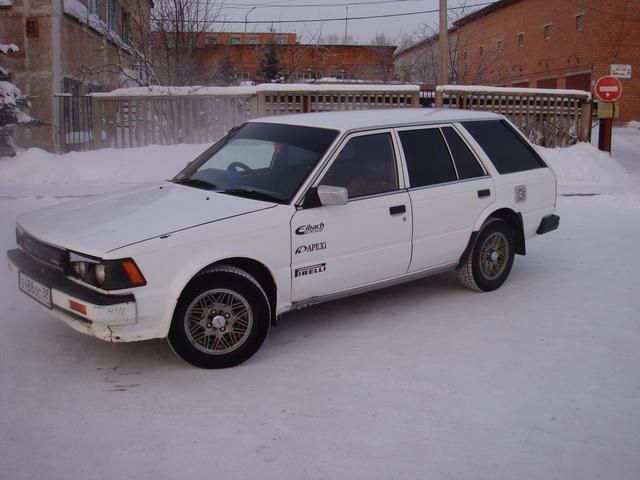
[[608, 89]]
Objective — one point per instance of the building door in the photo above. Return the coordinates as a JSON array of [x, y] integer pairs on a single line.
[[547, 83], [581, 81]]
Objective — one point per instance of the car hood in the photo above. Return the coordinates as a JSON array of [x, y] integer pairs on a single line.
[[103, 223]]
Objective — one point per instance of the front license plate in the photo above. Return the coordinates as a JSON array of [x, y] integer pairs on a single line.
[[34, 289]]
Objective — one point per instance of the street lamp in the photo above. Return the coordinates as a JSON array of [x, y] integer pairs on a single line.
[[246, 18]]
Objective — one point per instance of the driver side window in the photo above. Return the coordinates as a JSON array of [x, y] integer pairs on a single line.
[[365, 166]]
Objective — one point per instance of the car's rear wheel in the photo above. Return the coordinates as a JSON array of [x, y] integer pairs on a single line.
[[489, 262], [222, 318]]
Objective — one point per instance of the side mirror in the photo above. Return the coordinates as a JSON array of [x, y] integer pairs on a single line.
[[329, 195]]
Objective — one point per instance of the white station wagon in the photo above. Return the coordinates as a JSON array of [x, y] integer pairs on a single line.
[[285, 212]]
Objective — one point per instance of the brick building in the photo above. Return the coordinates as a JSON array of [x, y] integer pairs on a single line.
[[546, 44], [68, 46], [243, 54]]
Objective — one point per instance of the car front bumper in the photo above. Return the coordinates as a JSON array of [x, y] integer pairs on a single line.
[[101, 311]]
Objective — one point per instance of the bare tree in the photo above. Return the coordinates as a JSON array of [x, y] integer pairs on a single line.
[[180, 28], [380, 47], [423, 63]]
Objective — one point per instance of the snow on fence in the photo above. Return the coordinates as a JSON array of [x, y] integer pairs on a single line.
[[169, 115], [549, 117], [285, 99]]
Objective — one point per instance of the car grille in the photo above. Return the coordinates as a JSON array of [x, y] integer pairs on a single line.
[[54, 256]]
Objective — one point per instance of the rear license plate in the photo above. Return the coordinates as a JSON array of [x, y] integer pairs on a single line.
[[34, 289]]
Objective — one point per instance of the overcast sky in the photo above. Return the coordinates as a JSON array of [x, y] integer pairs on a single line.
[[361, 30]]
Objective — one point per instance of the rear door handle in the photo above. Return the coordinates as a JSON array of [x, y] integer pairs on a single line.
[[484, 193], [397, 210]]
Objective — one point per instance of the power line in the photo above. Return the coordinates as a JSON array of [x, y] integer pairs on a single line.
[[315, 20], [243, 6]]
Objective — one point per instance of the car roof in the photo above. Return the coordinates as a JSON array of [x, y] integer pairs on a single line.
[[363, 119]]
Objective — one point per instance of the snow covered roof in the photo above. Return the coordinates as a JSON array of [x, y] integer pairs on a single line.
[[356, 119]]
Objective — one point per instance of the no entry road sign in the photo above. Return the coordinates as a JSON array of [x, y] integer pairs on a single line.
[[608, 89]]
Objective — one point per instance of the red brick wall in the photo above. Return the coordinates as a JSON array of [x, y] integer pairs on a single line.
[[611, 34], [374, 63]]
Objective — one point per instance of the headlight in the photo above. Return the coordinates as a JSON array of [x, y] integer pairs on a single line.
[[106, 274], [19, 234]]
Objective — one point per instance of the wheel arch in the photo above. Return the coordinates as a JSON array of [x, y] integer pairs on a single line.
[[505, 213], [257, 270]]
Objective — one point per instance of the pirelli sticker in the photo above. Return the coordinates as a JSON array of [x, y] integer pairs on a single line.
[[310, 270]]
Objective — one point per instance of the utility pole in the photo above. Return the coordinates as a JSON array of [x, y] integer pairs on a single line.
[[443, 40], [346, 20]]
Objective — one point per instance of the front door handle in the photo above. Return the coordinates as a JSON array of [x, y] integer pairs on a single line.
[[397, 210], [484, 193]]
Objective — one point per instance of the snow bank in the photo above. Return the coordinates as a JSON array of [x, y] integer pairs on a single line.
[[252, 90], [581, 168], [511, 90], [129, 165], [585, 169]]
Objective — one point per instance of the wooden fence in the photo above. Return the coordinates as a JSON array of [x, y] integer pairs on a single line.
[[548, 118], [138, 121], [132, 121], [326, 100]]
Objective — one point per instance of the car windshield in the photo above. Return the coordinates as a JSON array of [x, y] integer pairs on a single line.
[[259, 160]]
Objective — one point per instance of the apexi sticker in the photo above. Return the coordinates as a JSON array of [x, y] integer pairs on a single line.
[[311, 269], [312, 247], [306, 229]]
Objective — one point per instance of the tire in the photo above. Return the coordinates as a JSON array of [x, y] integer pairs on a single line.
[[221, 319], [489, 262]]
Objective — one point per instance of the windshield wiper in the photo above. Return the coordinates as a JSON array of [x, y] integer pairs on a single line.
[[196, 182], [248, 192]]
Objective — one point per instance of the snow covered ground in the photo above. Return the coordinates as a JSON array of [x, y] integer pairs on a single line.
[[540, 379]]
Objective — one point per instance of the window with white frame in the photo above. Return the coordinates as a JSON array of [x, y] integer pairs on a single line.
[[521, 39], [580, 22], [547, 31]]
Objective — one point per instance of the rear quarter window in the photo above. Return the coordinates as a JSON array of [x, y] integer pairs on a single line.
[[505, 147]]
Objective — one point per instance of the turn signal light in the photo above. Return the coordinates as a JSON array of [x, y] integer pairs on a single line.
[[78, 307], [133, 273]]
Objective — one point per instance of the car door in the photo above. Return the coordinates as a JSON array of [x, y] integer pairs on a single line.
[[447, 196], [339, 247]]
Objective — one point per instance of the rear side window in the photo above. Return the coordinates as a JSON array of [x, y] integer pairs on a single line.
[[427, 155], [466, 162], [505, 147]]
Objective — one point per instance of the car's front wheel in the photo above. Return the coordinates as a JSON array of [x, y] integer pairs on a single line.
[[222, 318], [489, 262]]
